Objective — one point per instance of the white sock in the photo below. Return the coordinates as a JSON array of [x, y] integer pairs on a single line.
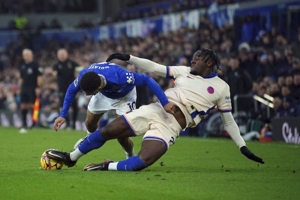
[[113, 166], [128, 155], [76, 154]]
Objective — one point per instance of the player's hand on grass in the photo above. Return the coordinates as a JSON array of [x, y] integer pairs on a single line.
[[119, 56], [58, 123], [246, 152], [170, 108]]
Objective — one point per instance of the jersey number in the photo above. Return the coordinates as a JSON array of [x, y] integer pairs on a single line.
[[132, 106]]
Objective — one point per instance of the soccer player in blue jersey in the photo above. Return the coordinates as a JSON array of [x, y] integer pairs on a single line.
[[112, 87]]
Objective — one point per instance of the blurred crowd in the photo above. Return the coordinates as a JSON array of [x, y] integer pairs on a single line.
[[270, 65], [133, 10], [46, 6]]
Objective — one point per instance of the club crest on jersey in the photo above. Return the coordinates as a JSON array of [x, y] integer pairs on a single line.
[[130, 78], [29, 71], [210, 90]]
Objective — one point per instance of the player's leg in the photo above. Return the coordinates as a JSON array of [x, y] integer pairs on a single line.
[[150, 152], [127, 104], [24, 110], [127, 145], [152, 149], [164, 131], [116, 129], [92, 121]]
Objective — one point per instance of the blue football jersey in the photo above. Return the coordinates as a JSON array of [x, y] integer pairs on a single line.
[[118, 83]]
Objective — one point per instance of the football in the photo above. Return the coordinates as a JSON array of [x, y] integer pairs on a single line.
[[49, 164]]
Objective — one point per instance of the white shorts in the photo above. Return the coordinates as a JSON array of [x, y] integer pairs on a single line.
[[100, 104], [153, 121]]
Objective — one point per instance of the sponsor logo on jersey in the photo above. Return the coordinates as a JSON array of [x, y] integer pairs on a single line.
[[227, 99], [130, 78]]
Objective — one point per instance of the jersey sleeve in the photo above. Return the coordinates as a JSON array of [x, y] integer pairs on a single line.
[[70, 96], [224, 102], [175, 71], [132, 78]]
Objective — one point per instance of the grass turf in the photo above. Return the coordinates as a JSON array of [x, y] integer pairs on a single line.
[[193, 168]]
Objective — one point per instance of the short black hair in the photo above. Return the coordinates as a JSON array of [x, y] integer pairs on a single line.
[[209, 54], [90, 81]]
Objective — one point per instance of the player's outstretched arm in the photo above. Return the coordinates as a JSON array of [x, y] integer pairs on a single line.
[[68, 100], [234, 132], [144, 64]]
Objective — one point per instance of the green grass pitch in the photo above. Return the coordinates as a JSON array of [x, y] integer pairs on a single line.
[[193, 168]]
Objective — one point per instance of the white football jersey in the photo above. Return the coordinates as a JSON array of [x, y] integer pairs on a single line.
[[197, 96]]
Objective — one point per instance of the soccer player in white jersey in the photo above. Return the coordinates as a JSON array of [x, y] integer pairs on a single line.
[[197, 90]]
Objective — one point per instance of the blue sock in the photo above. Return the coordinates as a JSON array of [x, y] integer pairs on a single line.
[[131, 164], [94, 141]]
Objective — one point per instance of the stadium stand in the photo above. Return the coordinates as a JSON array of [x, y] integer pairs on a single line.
[[266, 53]]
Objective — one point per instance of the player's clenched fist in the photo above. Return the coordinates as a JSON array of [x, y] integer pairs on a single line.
[[58, 123], [169, 108], [119, 56]]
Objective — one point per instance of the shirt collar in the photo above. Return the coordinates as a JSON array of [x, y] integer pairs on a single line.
[[211, 75]]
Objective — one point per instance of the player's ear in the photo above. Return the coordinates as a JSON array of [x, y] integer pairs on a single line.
[[210, 64], [101, 83]]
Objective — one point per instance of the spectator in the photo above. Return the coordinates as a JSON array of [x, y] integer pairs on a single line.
[[224, 68], [281, 81], [263, 65], [295, 65], [239, 82], [250, 64], [21, 22], [295, 88], [273, 90], [289, 81], [280, 62], [288, 109], [285, 91], [277, 102]]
